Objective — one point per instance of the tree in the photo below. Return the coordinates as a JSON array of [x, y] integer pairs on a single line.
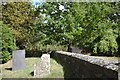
[[99, 32], [19, 16], [89, 25], [85, 25], [59, 26]]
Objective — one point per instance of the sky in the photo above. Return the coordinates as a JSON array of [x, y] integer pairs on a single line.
[[36, 2]]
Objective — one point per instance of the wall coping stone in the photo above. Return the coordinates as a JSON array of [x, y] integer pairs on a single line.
[[93, 60]]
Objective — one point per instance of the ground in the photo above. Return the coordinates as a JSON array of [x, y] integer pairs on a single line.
[[56, 69]]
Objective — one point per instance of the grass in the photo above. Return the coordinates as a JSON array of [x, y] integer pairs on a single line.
[[56, 69], [25, 73]]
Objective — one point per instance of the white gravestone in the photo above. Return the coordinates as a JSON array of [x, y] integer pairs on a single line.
[[42, 67], [18, 60]]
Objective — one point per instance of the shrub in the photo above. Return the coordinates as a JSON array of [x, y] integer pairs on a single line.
[[7, 41], [46, 48]]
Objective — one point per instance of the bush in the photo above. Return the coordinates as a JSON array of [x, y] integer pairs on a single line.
[[5, 56], [7, 41], [46, 48]]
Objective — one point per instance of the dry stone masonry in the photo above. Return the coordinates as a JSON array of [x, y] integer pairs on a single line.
[[42, 67], [84, 66], [93, 60]]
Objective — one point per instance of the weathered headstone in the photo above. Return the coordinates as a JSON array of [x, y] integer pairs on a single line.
[[18, 60], [42, 67], [74, 49]]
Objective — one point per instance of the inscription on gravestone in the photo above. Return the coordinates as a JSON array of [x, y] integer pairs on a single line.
[[18, 60]]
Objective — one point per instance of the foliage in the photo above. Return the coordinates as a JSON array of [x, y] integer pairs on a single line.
[[46, 48], [100, 32], [8, 42], [59, 25], [87, 25], [19, 16]]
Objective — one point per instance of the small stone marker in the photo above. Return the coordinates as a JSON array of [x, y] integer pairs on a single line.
[[18, 60], [42, 67], [74, 49]]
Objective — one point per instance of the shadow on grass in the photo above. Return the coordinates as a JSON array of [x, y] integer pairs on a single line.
[[8, 69], [32, 73]]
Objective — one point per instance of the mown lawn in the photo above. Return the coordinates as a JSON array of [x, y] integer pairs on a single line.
[[56, 69]]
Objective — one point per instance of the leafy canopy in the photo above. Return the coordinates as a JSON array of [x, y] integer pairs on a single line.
[[87, 25]]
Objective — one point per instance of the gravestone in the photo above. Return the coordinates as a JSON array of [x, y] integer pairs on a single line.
[[42, 67], [18, 60], [74, 49]]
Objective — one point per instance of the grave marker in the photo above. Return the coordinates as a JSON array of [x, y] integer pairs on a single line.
[[42, 67], [18, 60]]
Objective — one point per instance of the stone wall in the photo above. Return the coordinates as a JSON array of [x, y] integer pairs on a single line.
[[83, 66]]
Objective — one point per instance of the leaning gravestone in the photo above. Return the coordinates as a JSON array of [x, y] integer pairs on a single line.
[[18, 60], [42, 67]]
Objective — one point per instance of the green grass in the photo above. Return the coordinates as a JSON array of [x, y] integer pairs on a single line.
[[25, 73], [56, 70]]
